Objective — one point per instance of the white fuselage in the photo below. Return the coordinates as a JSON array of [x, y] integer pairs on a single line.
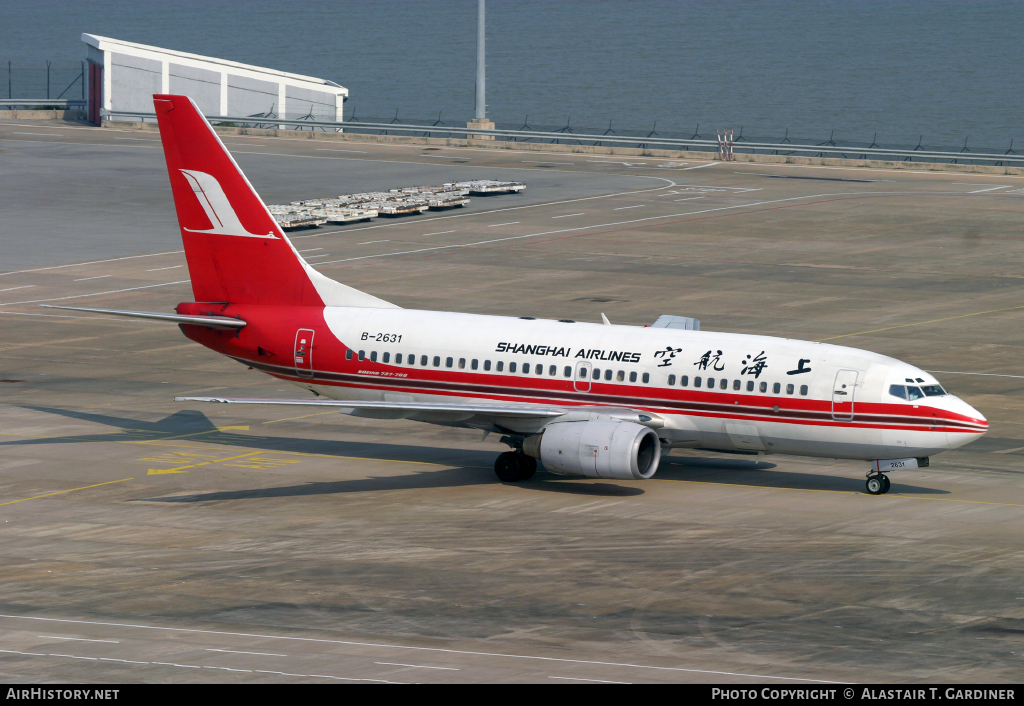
[[722, 391]]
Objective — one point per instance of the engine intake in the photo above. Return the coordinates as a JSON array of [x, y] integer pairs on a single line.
[[597, 449]]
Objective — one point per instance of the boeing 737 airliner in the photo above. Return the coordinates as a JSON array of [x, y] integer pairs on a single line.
[[593, 400]]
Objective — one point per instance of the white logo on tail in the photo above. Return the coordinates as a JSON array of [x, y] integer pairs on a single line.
[[218, 209]]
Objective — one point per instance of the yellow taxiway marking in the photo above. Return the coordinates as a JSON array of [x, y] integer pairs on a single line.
[[841, 492], [69, 490], [178, 469], [286, 419], [921, 323]]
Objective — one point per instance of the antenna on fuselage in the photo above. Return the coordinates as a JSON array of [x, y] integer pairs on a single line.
[[604, 320]]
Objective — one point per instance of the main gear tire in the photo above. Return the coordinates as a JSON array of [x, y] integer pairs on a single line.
[[528, 466], [508, 467], [887, 483]]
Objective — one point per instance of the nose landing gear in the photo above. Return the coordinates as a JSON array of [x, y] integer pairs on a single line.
[[877, 484], [514, 466]]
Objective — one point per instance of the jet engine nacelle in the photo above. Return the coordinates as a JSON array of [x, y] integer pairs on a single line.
[[597, 449]]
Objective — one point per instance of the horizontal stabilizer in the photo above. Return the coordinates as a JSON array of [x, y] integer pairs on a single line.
[[224, 322], [491, 409]]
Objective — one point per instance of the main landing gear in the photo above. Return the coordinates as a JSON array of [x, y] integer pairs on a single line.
[[514, 466], [878, 484]]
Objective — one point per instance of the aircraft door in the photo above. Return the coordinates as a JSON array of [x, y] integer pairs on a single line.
[[304, 352], [581, 378], [843, 392]]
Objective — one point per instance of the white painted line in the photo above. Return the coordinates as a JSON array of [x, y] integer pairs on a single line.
[[692, 198], [140, 139], [567, 215], [994, 188], [243, 144], [92, 262], [80, 144], [24, 286], [236, 652], [310, 250], [370, 242], [599, 681], [1009, 451], [417, 666], [83, 279], [172, 267], [396, 647], [109, 659], [79, 639], [636, 220], [495, 225], [328, 149], [96, 294], [227, 669], [623, 208], [43, 134], [442, 232], [310, 257], [957, 372]]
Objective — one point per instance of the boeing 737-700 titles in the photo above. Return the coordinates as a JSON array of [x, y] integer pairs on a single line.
[[593, 400]]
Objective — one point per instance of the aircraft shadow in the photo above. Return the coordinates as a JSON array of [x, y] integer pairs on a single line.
[[729, 471]]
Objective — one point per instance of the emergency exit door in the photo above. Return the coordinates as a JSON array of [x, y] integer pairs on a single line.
[[304, 352], [581, 380]]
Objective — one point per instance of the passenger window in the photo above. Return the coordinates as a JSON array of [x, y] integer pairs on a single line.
[[763, 387], [597, 373], [583, 372], [711, 383], [933, 390], [553, 370], [620, 376], [437, 361], [789, 389], [423, 361], [608, 374], [398, 358], [898, 391], [685, 380], [736, 384], [348, 354], [475, 364], [387, 357], [632, 376], [449, 362], [487, 365], [723, 384], [646, 378], [362, 355], [750, 385], [511, 367], [526, 369], [501, 365], [373, 356], [567, 372], [914, 393], [803, 390], [696, 381], [462, 363], [776, 388], [671, 380]]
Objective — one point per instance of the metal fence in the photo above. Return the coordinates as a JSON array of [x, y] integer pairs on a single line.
[[652, 140], [33, 81]]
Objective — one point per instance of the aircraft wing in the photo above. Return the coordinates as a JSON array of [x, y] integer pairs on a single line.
[[490, 409]]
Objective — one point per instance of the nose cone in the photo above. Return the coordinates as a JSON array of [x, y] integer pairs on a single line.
[[971, 424]]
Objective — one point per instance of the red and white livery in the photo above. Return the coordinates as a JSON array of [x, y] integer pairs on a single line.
[[594, 400]]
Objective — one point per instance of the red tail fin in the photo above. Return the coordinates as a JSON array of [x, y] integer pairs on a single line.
[[235, 250]]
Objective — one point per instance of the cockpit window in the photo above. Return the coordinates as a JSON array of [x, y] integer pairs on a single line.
[[898, 391], [914, 393], [933, 390]]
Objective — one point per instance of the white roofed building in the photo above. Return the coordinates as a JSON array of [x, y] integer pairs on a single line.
[[123, 76]]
